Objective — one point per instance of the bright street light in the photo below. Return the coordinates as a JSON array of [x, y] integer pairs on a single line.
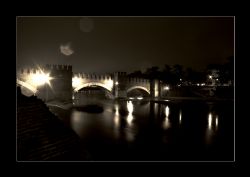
[[166, 88], [116, 83], [76, 82], [40, 78], [109, 83]]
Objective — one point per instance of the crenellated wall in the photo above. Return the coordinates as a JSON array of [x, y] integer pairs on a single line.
[[118, 83], [59, 87], [126, 84], [59, 67], [63, 82], [93, 76]]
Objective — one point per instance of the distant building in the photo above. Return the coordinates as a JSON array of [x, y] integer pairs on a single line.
[[213, 78]]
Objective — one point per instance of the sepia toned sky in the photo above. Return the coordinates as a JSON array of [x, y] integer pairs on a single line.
[[108, 44]]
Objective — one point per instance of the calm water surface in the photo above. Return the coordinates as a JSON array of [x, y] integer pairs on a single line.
[[144, 130]]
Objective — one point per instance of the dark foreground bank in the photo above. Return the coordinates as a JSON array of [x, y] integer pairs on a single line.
[[41, 136]]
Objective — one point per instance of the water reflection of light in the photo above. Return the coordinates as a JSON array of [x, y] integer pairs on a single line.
[[210, 121], [116, 117], [212, 127], [216, 121], [156, 105], [130, 108], [209, 131], [167, 111], [180, 117], [130, 118], [77, 121], [76, 117], [116, 122], [166, 123], [116, 110], [129, 131], [129, 135]]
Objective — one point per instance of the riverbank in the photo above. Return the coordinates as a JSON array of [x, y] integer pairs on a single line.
[[194, 99], [167, 99], [62, 105], [42, 136]]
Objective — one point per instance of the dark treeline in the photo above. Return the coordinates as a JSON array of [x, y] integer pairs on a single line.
[[176, 74]]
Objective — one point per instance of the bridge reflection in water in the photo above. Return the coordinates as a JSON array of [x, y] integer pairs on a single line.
[[143, 130]]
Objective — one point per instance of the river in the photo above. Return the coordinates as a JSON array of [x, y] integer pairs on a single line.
[[141, 130]]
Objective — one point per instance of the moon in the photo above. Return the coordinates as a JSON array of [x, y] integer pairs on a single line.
[[86, 24], [66, 49]]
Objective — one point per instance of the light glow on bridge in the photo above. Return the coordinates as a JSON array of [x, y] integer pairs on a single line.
[[28, 86], [40, 79], [138, 87], [109, 83], [166, 88], [76, 82]]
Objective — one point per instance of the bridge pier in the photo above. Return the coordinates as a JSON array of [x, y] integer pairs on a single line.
[[116, 85], [155, 88], [120, 82]]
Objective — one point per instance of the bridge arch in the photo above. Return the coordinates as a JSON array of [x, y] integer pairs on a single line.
[[138, 87], [28, 86], [93, 84]]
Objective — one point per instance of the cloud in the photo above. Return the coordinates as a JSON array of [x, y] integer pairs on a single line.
[[66, 49]]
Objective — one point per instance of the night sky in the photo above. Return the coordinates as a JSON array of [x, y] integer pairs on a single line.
[[108, 44]]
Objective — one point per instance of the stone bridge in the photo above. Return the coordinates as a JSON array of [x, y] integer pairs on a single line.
[[118, 83], [59, 82]]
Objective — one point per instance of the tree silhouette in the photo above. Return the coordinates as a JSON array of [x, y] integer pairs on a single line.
[[153, 73], [166, 74], [177, 73], [137, 73]]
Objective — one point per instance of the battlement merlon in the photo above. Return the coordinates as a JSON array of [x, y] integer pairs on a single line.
[[58, 67], [120, 73], [27, 71], [46, 68], [93, 76]]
